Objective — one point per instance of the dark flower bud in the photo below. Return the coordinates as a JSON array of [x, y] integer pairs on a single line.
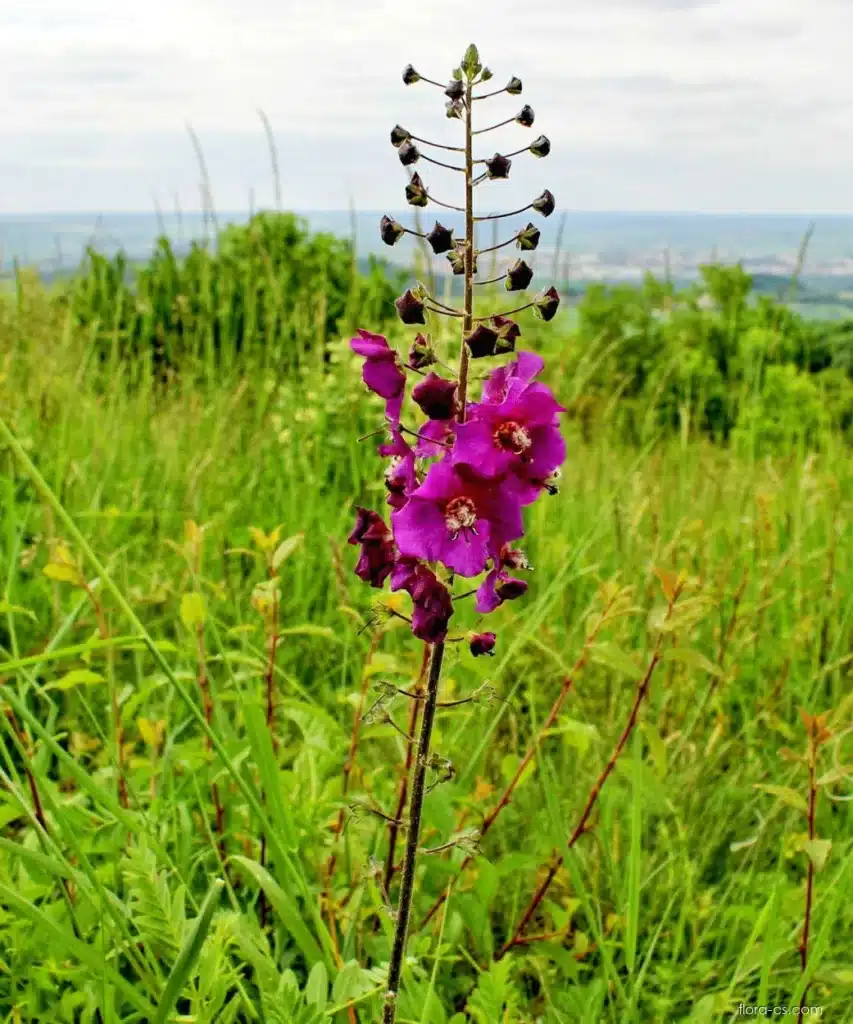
[[545, 305], [409, 154], [455, 89], [511, 589], [440, 238], [481, 341], [390, 231], [485, 75], [514, 86], [416, 193], [518, 277], [399, 135], [544, 204], [524, 117], [454, 108], [410, 308], [498, 166], [421, 353], [528, 239], [482, 643], [436, 396], [541, 146], [514, 558], [410, 76], [377, 547], [457, 258], [507, 330]]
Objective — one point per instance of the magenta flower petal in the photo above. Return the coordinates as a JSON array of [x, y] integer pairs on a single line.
[[434, 436], [475, 447], [381, 371], [487, 597], [522, 369]]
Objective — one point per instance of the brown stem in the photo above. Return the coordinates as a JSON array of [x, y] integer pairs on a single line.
[[556, 707], [581, 826], [207, 704]]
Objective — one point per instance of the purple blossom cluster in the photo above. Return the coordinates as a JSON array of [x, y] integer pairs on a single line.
[[458, 492]]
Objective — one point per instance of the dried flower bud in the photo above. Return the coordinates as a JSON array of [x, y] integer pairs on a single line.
[[482, 643], [518, 277], [457, 258], [421, 353], [455, 89], [507, 330], [485, 75], [528, 239], [498, 166], [399, 135], [409, 154], [525, 116], [410, 308], [410, 76], [436, 396], [514, 86], [481, 341], [544, 204], [440, 238], [541, 146], [390, 230], [546, 304], [454, 108], [416, 193]]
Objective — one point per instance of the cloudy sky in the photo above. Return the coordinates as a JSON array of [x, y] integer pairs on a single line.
[[650, 104]]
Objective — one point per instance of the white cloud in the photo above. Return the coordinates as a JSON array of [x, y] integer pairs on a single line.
[[655, 104]]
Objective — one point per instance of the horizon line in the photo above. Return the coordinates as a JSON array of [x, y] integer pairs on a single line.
[[171, 213]]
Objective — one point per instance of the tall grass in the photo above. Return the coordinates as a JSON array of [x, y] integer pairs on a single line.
[[685, 897]]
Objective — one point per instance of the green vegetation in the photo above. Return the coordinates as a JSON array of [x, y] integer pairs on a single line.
[[165, 856]]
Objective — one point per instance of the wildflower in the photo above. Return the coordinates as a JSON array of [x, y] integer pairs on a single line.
[[432, 605], [546, 304], [540, 147], [528, 238], [410, 308], [390, 230], [400, 476], [525, 116], [421, 353], [543, 204], [456, 258], [434, 437], [440, 239], [496, 588], [377, 547], [517, 374], [518, 277], [456, 518], [482, 643], [416, 193], [481, 341], [498, 166], [507, 330], [381, 371], [436, 396]]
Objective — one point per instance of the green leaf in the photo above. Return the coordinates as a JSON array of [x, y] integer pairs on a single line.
[[189, 953], [286, 549], [264, 758], [16, 609], [317, 988], [787, 795], [817, 850], [692, 659], [611, 656], [61, 573], [77, 677], [308, 629], [193, 611]]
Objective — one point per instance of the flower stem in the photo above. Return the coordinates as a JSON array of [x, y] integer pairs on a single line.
[[807, 918]]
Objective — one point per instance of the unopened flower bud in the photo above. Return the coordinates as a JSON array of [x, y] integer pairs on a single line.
[[457, 258], [528, 238], [544, 204], [421, 353], [410, 76], [399, 135], [511, 589], [485, 75], [541, 146], [410, 308], [525, 116], [481, 341], [416, 193], [455, 89], [507, 331], [440, 238], [471, 62], [436, 396], [390, 230], [546, 304], [498, 166], [409, 154], [482, 643], [514, 86], [454, 108], [518, 277]]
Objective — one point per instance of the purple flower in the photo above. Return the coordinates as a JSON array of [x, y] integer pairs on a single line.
[[518, 435], [482, 643], [381, 371], [436, 396], [498, 587], [517, 374], [400, 476], [434, 438], [377, 547], [498, 166], [456, 518], [410, 308], [432, 605]]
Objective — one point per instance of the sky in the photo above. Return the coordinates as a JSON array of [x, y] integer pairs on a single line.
[[733, 105]]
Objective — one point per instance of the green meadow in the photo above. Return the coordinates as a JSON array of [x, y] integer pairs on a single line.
[[204, 748]]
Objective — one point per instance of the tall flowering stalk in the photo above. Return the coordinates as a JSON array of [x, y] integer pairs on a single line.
[[458, 482]]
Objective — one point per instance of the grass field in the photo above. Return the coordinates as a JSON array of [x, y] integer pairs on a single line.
[[191, 775]]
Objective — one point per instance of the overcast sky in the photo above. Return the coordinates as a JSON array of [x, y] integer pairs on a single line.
[[649, 104]]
